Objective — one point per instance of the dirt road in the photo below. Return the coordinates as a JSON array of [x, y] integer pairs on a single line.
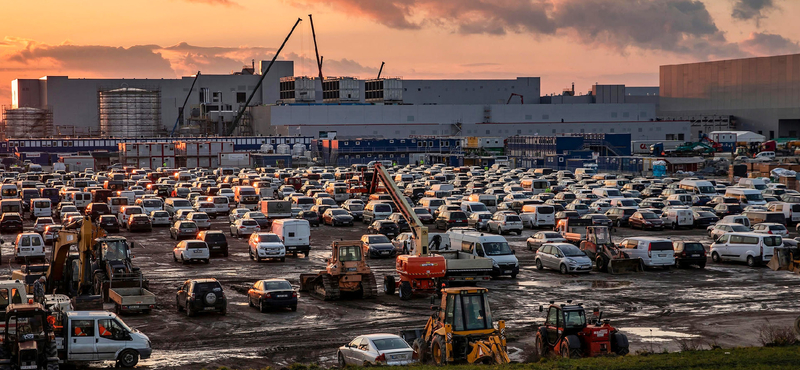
[[723, 304]]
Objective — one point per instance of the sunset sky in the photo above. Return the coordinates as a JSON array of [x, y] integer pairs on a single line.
[[561, 41]]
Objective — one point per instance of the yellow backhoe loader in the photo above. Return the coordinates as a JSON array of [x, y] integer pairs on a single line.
[[346, 271]]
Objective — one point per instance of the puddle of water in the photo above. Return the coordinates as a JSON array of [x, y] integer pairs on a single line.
[[578, 284], [656, 335]]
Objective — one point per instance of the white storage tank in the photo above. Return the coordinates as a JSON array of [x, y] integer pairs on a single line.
[[129, 112], [267, 148], [283, 149], [298, 150]]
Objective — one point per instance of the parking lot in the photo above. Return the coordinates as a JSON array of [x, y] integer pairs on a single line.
[[725, 304]]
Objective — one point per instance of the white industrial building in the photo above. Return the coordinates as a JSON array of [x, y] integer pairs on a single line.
[[289, 105]]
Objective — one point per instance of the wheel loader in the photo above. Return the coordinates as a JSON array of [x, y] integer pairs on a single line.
[[606, 255], [460, 330], [347, 271], [567, 333], [785, 258]]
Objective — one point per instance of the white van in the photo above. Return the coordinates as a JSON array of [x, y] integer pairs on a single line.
[[28, 246], [698, 187], [755, 249], [150, 204], [678, 217], [494, 247], [81, 199], [127, 194], [41, 207], [536, 186], [173, 205], [790, 210], [473, 207], [538, 215], [615, 183], [221, 204], [653, 252], [433, 204], [376, 210], [489, 200], [735, 219], [757, 184], [747, 197], [9, 191], [295, 234], [764, 156], [686, 199], [303, 202], [623, 202], [115, 203], [609, 193]]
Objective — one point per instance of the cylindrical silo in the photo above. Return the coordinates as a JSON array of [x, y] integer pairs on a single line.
[[267, 148], [129, 112], [298, 150], [27, 122], [283, 149]]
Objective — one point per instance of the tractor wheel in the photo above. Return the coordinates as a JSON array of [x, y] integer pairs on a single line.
[[575, 353], [602, 264], [439, 350], [405, 290], [565, 352], [421, 349], [389, 285], [52, 352], [797, 325], [541, 345], [128, 358]]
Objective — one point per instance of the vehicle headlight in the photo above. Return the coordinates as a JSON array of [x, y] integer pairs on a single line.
[[572, 262], [494, 263]]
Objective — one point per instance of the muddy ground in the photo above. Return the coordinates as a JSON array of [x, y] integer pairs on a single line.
[[723, 305]]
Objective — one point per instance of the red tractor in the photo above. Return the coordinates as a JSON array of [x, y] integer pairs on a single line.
[[567, 333]]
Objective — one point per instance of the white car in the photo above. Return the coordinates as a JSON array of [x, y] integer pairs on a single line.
[[191, 251], [771, 228], [181, 214], [237, 214], [160, 218], [600, 206], [542, 237], [206, 207], [200, 218], [375, 349], [244, 227], [266, 245], [719, 229], [228, 193]]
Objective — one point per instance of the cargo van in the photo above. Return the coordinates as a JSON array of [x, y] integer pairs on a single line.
[[678, 217], [538, 215], [41, 207], [487, 199], [653, 252], [28, 246], [698, 187], [536, 186], [757, 184], [683, 198], [746, 196], [81, 199], [755, 249], [376, 211], [11, 206], [115, 203], [490, 246], [303, 202], [757, 217], [433, 204], [791, 211], [609, 193], [127, 194], [8, 191], [473, 207], [173, 205], [295, 234]]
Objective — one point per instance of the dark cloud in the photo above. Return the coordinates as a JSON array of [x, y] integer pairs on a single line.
[[751, 9], [135, 61], [676, 26], [764, 44]]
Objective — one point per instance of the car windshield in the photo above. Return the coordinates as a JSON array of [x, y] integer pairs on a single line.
[[115, 250], [256, 215], [496, 248], [196, 245], [661, 246], [754, 197], [418, 211], [575, 319], [199, 216], [387, 344], [269, 238], [352, 253], [277, 285], [571, 251], [188, 225], [378, 239], [181, 203], [552, 235], [151, 203], [160, 214], [339, 212], [705, 214], [649, 215]]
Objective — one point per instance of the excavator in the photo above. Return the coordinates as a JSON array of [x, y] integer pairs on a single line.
[[101, 260], [606, 255], [785, 258], [419, 271], [460, 330], [346, 271]]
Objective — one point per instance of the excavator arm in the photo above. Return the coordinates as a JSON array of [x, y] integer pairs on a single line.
[[419, 231], [83, 239]]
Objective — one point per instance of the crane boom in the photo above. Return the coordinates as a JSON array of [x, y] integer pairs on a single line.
[[419, 231], [316, 50], [260, 81], [180, 114]]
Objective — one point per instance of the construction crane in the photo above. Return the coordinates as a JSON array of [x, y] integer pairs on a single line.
[[316, 50], [521, 98], [180, 113], [260, 81], [380, 70]]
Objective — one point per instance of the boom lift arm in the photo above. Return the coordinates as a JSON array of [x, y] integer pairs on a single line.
[[419, 231], [183, 107]]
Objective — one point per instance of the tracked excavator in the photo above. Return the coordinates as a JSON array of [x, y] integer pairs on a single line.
[[607, 256], [346, 271], [100, 261]]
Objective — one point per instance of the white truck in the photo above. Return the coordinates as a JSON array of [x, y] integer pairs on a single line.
[[494, 247]]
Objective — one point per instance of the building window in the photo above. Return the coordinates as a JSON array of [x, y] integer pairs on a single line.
[[419, 144], [402, 141], [554, 131], [487, 132], [528, 116], [640, 129], [216, 97], [241, 97], [613, 114], [611, 130], [410, 118], [583, 130], [680, 136], [643, 114], [545, 116], [668, 137], [519, 132], [626, 114]]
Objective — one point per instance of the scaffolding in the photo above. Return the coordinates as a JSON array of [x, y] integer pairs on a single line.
[[129, 112], [27, 122]]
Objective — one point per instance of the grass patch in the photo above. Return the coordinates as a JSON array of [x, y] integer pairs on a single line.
[[757, 358]]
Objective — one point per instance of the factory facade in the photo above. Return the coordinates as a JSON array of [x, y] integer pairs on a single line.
[[755, 94]]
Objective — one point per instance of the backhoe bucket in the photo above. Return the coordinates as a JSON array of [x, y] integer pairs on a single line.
[[624, 266], [307, 282], [783, 260]]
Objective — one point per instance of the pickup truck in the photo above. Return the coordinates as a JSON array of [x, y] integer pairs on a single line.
[[464, 269], [133, 299], [574, 230]]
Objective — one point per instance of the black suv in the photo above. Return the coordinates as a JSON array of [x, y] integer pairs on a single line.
[[449, 219], [620, 215], [217, 243], [201, 295], [95, 210], [689, 253], [311, 217], [384, 227], [10, 222], [109, 223]]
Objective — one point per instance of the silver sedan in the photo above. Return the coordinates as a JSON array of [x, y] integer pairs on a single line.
[[375, 349]]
